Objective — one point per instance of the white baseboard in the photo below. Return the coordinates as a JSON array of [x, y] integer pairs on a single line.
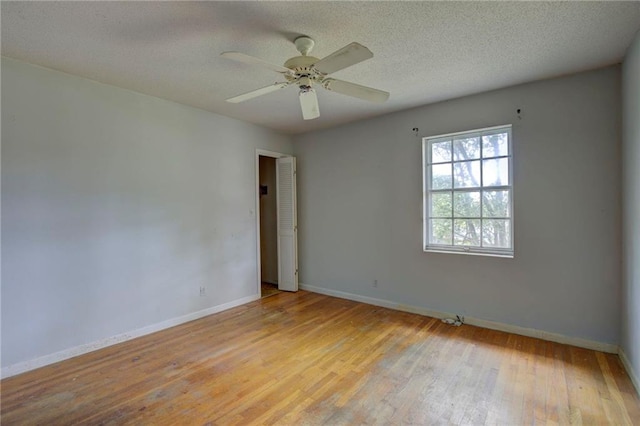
[[523, 331], [25, 366], [630, 371], [32, 364]]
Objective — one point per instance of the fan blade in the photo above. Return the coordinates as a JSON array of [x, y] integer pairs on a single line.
[[309, 104], [349, 55], [251, 60], [258, 92], [355, 90]]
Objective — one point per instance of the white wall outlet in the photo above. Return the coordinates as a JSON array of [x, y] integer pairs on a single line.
[[203, 290], [375, 283]]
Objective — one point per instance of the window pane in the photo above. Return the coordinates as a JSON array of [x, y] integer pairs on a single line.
[[441, 152], [470, 195], [441, 176], [495, 204], [466, 174], [466, 149], [466, 204], [495, 145], [466, 232], [441, 204], [440, 231], [495, 172], [496, 233]]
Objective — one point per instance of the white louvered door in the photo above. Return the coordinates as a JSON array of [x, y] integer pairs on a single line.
[[287, 224]]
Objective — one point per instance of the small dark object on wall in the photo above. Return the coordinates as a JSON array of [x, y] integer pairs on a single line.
[[263, 190]]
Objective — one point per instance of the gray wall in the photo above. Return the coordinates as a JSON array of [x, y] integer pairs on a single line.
[[359, 205], [117, 207], [631, 207]]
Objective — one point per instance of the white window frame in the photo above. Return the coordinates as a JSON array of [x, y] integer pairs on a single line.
[[428, 191]]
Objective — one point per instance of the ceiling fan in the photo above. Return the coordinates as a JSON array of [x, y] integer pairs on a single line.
[[306, 71]]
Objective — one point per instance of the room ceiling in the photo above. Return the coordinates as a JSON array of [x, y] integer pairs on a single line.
[[424, 52]]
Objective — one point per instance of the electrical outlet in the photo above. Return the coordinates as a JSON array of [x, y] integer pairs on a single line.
[[375, 283], [203, 290]]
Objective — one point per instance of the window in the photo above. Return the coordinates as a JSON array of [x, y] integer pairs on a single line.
[[468, 192]]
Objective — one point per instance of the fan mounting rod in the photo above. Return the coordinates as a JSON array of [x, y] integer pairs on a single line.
[[304, 44]]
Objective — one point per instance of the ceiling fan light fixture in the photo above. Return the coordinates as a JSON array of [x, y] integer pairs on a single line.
[[309, 104], [304, 83]]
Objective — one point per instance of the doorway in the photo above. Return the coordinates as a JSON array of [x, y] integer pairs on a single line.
[[268, 212], [277, 260]]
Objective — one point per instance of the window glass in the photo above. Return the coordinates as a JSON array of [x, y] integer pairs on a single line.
[[469, 194], [495, 145]]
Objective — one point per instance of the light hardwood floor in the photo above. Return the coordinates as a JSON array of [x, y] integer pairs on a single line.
[[304, 358]]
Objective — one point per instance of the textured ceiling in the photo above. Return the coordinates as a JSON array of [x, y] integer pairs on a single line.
[[424, 52]]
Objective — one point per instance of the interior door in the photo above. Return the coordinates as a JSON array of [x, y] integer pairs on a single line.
[[287, 224]]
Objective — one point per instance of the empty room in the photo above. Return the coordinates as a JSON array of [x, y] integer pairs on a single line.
[[318, 212]]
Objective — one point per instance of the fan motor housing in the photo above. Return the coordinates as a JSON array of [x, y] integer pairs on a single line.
[[300, 62], [302, 67]]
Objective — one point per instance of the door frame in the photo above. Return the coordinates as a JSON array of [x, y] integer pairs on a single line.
[[272, 154]]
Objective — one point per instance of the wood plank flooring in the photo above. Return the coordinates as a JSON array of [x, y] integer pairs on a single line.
[[268, 289], [305, 358]]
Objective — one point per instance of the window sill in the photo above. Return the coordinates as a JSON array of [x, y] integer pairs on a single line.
[[470, 253]]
